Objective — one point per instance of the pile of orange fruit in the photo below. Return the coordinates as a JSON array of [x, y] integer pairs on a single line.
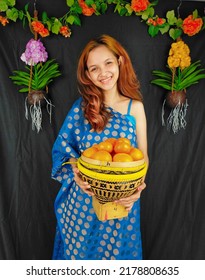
[[114, 149]]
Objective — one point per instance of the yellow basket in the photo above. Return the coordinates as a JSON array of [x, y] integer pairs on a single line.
[[112, 180]]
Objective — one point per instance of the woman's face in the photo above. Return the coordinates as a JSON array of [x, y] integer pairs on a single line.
[[103, 68]]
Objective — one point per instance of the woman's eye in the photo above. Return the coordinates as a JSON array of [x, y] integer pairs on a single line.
[[94, 69]]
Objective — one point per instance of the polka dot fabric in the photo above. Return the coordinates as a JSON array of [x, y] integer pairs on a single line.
[[79, 233]]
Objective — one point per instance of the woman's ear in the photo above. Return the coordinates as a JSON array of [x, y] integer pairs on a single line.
[[120, 60]]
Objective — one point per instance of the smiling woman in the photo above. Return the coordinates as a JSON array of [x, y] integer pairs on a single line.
[[104, 74], [105, 49], [107, 87], [172, 205]]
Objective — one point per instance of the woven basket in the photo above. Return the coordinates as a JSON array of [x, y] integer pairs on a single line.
[[110, 181]]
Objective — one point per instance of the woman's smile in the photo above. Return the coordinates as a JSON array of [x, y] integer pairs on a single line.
[[105, 80], [103, 68]]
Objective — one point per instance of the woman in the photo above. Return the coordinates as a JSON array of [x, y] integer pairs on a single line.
[[110, 106]]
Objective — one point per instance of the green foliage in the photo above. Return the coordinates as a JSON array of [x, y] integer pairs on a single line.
[[178, 79], [42, 75], [12, 14], [172, 25]]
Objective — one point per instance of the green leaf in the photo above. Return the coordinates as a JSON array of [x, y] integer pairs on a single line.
[[28, 16], [70, 19], [162, 81], [11, 2], [89, 2], [3, 6], [26, 7], [145, 14], [24, 90], [175, 33], [195, 14], [12, 14], [163, 29], [70, 3], [76, 9], [56, 26], [162, 74], [171, 19], [49, 24], [161, 84], [154, 3], [77, 20], [153, 30], [44, 17], [179, 22], [122, 11], [151, 11], [103, 8], [118, 8], [129, 9], [21, 15]]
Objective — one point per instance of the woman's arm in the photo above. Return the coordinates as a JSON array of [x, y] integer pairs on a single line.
[[83, 185], [141, 129]]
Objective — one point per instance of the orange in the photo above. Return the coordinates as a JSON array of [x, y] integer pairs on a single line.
[[136, 154], [123, 139], [122, 157], [111, 140], [122, 147], [89, 152], [102, 156], [105, 146]]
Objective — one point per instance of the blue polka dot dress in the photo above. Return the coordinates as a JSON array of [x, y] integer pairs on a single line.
[[79, 233]]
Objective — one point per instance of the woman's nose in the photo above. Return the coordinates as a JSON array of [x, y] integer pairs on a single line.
[[102, 71]]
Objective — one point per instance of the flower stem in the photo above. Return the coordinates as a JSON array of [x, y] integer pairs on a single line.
[[173, 76], [30, 80]]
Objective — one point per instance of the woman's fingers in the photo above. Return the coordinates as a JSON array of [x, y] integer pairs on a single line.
[[128, 202], [83, 185]]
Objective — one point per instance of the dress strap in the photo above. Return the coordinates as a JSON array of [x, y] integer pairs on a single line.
[[129, 107]]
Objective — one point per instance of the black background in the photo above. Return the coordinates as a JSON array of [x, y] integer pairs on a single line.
[[172, 206]]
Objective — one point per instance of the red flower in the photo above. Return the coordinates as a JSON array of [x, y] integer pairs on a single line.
[[160, 21], [139, 5], [86, 11], [37, 26], [65, 31], [151, 21], [3, 20], [157, 21], [40, 28], [192, 26], [44, 32]]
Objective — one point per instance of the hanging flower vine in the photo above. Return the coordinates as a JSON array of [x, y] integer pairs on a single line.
[[182, 74], [143, 9], [39, 73]]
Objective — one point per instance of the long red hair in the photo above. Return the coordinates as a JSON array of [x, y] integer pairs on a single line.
[[128, 84]]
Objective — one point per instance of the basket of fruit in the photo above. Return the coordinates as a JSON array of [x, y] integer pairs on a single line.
[[113, 168]]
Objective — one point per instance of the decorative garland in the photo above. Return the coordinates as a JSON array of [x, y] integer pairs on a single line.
[[45, 25], [183, 73]]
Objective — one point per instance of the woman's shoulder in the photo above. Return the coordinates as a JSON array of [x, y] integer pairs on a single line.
[[136, 104], [137, 108]]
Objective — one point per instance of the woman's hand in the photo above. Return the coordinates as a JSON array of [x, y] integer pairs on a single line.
[[128, 202], [83, 185]]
